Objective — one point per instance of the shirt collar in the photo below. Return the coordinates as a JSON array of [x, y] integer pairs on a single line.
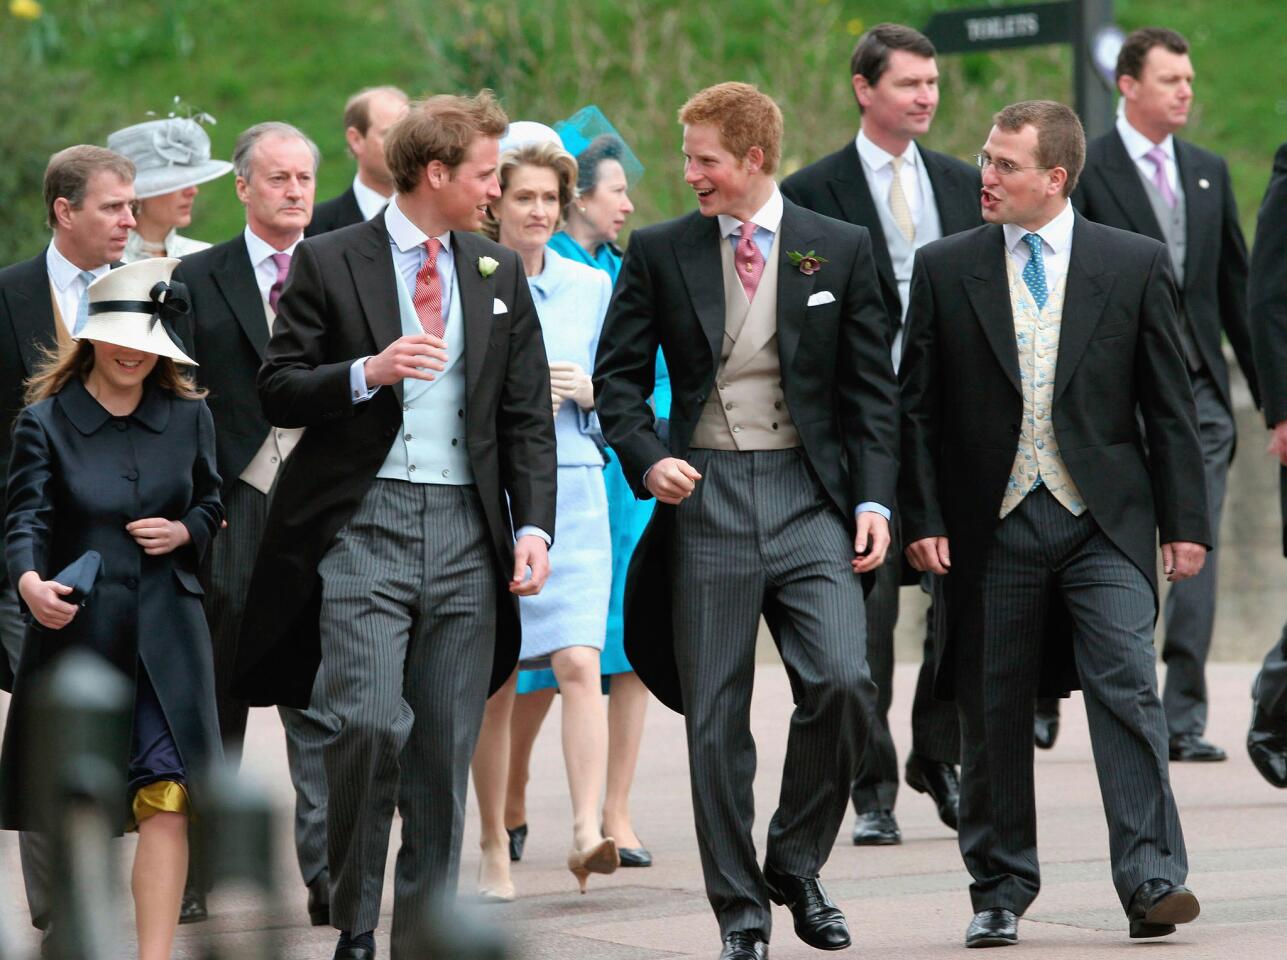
[[87, 414], [260, 249], [876, 157], [768, 217], [368, 201], [62, 271], [1137, 145], [1057, 234], [552, 271], [405, 235]]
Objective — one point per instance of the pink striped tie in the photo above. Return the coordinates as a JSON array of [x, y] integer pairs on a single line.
[[749, 261]]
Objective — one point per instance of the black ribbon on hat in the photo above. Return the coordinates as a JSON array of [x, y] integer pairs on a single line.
[[168, 302]]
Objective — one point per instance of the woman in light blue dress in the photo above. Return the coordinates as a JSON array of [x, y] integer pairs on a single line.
[[606, 167], [563, 626]]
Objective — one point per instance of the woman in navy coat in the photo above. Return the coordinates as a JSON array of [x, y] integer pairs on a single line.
[[116, 454]]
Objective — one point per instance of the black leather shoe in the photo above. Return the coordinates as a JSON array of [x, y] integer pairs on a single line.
[[1192, 748], [877, 828], [818, 921], [994, 927], [634, 857], [1045, 726], [744, 945], [361, 947], [319, 900], [1157, 906], [1267, 747], [940, 781], [517, 840], [193, 908]]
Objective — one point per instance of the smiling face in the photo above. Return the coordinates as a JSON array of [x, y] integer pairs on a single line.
[[528, 209], [95, 232], [606, 207], [723, 183], [279, 194], [118, 370], [1158, 102], [462, 194], [900, 105], [1015, 188]]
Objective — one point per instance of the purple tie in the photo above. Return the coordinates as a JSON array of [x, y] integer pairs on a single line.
[[282, 261], [748, 261], [1158, 156]]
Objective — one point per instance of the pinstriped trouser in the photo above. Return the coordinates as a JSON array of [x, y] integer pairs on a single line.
[[1038, 550], [760, 534], [408, 626]]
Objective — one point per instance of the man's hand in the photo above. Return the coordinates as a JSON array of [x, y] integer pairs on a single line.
[[42, 599], [1181, 560], [930, 555], [1278, 442], [570, 381], [530, 551], [556, 402], [157, 535], [407, 358], [671, 480], [871, 542]]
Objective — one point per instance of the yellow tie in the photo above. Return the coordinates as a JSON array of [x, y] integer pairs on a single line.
[[898, 207]]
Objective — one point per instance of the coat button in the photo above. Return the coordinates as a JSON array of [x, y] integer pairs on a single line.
[[454, 441], [446, 473], [131, 583], [777, 404], [728, 406], [406, 436], [130, 475], [121, 425], [412, 468], [737, 429]]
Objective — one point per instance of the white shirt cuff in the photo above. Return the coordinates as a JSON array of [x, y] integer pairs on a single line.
[[358, 390]]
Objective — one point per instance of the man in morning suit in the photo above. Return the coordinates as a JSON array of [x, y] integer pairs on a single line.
[[1140, 177], [405, 522], [774, 486], [1032, 342], [234, 289], [906, 196], [1267, 309], [368, 117], [89, 193]]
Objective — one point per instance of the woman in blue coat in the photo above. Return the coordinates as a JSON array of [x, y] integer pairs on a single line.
[[116, 454]]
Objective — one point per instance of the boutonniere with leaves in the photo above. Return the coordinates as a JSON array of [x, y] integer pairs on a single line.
[[487, 266], [808, 263]]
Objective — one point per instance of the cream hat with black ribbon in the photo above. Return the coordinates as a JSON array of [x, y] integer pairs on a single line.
[[135, 306]]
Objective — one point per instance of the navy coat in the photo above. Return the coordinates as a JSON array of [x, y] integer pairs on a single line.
[[77, 476]]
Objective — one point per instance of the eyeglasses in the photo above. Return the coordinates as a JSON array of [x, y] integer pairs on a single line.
[[1004, 167]]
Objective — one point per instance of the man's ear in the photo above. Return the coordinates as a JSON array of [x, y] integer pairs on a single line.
[[754, 160], [352, 137]]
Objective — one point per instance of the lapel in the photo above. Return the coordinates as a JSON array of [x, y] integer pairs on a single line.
[[989, 293], [370, 263], [235, 278], [477, 301], [1202, 210], [699, 263], [1085, 293], [955, 197], [31, 312], [852, 194], [799, 233], [1122, 177]]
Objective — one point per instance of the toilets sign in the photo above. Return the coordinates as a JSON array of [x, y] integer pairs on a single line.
[[994, 28]]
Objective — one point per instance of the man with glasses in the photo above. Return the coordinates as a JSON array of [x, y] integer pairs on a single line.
[[1031, 344]]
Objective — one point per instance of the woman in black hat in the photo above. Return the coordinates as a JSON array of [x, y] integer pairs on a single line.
[[115, 454]]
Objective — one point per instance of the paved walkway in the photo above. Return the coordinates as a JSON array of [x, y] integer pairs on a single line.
[[906, 902]]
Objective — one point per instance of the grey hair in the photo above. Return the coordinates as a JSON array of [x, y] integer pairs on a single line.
[[603, 147], [241, 153]]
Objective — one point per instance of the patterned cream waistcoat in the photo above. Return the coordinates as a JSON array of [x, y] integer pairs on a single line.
[[1036, 333]]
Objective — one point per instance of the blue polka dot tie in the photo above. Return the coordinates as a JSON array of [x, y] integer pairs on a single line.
[[1034, 272]]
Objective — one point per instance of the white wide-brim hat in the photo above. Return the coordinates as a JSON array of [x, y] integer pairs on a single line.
[[134, 306], [169, 155], [521, 133]]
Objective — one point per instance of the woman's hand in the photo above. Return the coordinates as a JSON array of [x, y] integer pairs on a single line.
[[42, 599], [570, 381], [157, 535]]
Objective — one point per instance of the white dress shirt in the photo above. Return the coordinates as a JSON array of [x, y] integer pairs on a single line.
[[261, 258], [1056, 243], [368, 201], [1137, 145], [878, 167], [69, 288]]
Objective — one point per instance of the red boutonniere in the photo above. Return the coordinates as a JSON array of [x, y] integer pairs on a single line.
[[808, 263]]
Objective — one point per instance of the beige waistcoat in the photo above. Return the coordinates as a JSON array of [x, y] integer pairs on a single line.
[[277, 446]]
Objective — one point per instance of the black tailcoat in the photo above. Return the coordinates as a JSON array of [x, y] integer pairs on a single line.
[[341, 211]]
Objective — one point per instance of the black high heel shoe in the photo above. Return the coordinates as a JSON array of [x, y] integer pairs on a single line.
[[517, 839]]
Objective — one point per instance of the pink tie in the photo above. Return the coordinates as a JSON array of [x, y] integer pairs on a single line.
[[282, 261], [1158, 156], [428, 295], [749, 261]]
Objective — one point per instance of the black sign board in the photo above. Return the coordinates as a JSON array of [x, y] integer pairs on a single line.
[[994, 28]]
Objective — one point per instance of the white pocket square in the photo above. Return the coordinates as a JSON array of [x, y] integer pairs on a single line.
[[821, 297], [498, 306]]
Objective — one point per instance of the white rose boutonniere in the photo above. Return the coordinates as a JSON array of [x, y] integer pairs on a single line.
[[487, 266]]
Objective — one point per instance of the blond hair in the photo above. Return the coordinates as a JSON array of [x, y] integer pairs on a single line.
[[548, 155], [744, 117]]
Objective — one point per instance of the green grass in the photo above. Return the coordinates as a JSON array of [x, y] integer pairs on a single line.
[[106, 64]]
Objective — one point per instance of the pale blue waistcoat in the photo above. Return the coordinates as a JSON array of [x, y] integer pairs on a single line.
[[431, 445]]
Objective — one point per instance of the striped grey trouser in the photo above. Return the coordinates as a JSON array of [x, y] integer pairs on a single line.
[[760, 534], [1038, 551], [408, 628]]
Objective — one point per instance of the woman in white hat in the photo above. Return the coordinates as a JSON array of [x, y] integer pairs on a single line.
[[115, 454], [172, 157]]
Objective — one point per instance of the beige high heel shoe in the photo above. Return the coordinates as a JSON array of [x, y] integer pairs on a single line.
[[495, 890], [601, 858]]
